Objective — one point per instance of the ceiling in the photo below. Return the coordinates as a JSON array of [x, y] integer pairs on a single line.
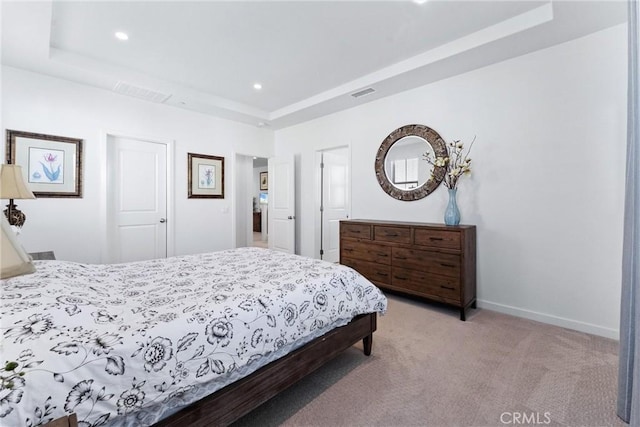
[[309, 56]]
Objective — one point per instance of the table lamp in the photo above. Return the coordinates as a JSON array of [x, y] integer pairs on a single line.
[[14, 261], [12, 186]]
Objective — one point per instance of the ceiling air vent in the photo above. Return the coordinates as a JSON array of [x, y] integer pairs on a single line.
[[363, 92], [141, 93]]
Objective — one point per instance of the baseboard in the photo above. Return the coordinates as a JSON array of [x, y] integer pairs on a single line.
[[552, 320]]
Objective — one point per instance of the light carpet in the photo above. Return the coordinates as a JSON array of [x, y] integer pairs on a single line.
[[428, 368]]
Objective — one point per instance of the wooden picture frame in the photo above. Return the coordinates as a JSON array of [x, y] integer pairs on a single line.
[[51, 165], [264, 180], [205, 176]]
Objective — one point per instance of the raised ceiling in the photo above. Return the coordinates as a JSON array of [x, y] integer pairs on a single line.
[[309, 56]]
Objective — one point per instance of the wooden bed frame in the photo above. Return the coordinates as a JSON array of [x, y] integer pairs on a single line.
[[239, 398], [235, 400]]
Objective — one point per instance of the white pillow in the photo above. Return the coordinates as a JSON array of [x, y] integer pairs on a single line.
[[14, 260]]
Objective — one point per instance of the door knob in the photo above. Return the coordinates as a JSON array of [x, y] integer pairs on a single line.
[[163, 220], [290, 217]]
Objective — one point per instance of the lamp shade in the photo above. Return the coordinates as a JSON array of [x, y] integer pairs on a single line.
[[12, 185], [14, 261]]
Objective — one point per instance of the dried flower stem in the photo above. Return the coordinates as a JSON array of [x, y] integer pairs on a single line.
[[456, 163]]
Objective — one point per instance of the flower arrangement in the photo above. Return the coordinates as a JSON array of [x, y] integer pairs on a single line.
[[457, 163]]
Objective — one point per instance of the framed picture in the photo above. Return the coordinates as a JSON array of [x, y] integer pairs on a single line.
[[264, 181], [52, 165], [206, 176]]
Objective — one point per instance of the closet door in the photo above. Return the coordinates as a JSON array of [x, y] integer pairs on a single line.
[[138, 200]]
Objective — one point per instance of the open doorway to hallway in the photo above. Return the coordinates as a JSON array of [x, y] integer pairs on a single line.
[[251, 201], [260, 203]]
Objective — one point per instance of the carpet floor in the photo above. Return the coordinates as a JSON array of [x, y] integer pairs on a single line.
[[428, 368]]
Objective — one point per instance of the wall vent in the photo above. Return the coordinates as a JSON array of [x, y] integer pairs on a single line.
[[141, 93], [363, 92]]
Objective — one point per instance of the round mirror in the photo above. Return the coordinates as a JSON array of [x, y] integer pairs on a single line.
[[401, 168]]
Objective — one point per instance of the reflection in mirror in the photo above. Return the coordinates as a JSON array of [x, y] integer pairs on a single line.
[[400, 167], [404, 164]]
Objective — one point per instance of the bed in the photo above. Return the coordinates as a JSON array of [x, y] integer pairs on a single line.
[[190, 340]]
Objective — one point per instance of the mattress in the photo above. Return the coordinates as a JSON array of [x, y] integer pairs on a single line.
[[129, 344]]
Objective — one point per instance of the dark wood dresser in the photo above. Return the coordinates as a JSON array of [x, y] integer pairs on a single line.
[[48, 255], [257, 221], [432, 261]]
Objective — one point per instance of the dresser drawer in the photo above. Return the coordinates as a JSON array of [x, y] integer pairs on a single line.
[[392, 234], [365, 251], [376, 272], [437, 238], [437, 287], [428, 261], [359, 231]]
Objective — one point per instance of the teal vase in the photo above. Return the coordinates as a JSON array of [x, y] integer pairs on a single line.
[[452, 213]]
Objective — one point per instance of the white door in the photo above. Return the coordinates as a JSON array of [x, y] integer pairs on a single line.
[[138, 200], [335, 201], [281, 214]]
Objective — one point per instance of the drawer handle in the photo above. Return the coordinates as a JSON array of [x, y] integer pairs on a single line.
[[436, 238], [347, 250], [382, 274], [382, 254], [391, 234], [401, 257], [447, 265], [355, 231], [448, 287], [400, 278]]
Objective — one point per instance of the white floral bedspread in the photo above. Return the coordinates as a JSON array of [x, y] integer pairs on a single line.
[[128, 344]]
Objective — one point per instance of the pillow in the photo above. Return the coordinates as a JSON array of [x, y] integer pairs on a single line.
[[14, 261]]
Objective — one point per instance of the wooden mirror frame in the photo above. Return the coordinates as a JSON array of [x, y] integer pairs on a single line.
[[439, 148]]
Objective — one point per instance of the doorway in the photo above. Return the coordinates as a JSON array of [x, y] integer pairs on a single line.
[[260, 203], [273, 190], [251, 202]]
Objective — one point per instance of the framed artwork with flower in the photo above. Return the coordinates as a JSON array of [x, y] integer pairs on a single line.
[[52, 165], [264, 181], [205, 176]]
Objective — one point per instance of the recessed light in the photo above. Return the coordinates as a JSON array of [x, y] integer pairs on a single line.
[[120, 35], [257, 86], [420, 1]]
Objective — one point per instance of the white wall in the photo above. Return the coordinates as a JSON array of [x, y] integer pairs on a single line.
[[71, 227], [548, 174]]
